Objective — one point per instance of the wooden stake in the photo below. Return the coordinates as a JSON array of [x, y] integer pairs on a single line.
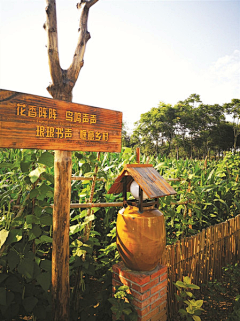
[[63, 82], [61, 221], [138, 155]]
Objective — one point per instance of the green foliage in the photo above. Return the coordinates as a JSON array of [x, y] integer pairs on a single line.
[[193, 308], [224, 292], [121, 304], [188, 129], [207, 194], [26, 190], [26, 195]]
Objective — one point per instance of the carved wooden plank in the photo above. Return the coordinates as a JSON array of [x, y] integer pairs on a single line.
[[29, 121]]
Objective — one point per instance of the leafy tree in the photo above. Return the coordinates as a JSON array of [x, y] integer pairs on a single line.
[[190, 128], [188, 118], [156, 127], [209, 119], [233, 109], [126, 138]]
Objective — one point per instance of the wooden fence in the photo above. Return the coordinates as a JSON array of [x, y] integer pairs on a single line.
[[202, 256]]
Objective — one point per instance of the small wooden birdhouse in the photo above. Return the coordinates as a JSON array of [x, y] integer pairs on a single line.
[[144, 183]]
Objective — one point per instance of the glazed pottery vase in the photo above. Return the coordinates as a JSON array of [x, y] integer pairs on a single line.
[[141, 237]]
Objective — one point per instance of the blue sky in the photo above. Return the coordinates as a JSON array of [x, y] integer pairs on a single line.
[[140, 53]]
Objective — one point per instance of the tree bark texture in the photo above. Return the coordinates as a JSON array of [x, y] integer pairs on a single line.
[[63, 82]]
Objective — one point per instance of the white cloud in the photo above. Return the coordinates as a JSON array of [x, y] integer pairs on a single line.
[[221, 81]]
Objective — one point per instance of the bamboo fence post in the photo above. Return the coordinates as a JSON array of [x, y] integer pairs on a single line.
[[89, 211]]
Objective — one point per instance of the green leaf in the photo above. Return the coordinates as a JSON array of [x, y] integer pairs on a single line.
[[190, 309], [45, 239], [7, 165], [25, 166], [44, 279], [32, 219], [3, 236], [44, 189], [12, 284], [34, 175], [112, 301], [35, 232], [29, 303], [46, 265], [13, 259], [46, 159], [127, 311], [3, 296], [10, 297], [48, 177], [181, 284], [26, 268], [90, 218], [46, 219], [193, 286], [37, 211], [14, 236], [199, 303], [182, 311], [34, 193], [3, 277], [186, 279], [196, 318], [189, 294], [76, 228]]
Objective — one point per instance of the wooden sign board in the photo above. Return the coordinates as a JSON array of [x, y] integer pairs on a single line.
[[29, 121]]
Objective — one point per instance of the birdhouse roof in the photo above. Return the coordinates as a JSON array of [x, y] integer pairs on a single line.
[[150, 181]]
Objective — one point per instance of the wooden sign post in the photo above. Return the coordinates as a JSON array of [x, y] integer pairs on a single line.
[[29, 121]]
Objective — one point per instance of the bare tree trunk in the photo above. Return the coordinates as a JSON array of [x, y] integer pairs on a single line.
[[63, 82]]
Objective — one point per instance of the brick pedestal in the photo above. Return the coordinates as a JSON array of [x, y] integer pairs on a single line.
[[149, 290]]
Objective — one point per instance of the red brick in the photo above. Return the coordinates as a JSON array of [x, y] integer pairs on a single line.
[[149, 290], [154, 297], [139, 296], [158, 287], [115, 276], [116, 283], [163, 306], [146, 301], [150, 315], [160, 316], [135, 276], [146, 287], [141, 304], [163, 291], [157, 303], [118, 267], [160, 270], [142, 312], [125, 281], [163, 277], [163, 268]]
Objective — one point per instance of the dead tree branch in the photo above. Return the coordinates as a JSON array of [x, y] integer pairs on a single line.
[[63, 81]]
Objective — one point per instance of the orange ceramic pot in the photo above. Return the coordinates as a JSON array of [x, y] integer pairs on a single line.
[[141, 237]]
